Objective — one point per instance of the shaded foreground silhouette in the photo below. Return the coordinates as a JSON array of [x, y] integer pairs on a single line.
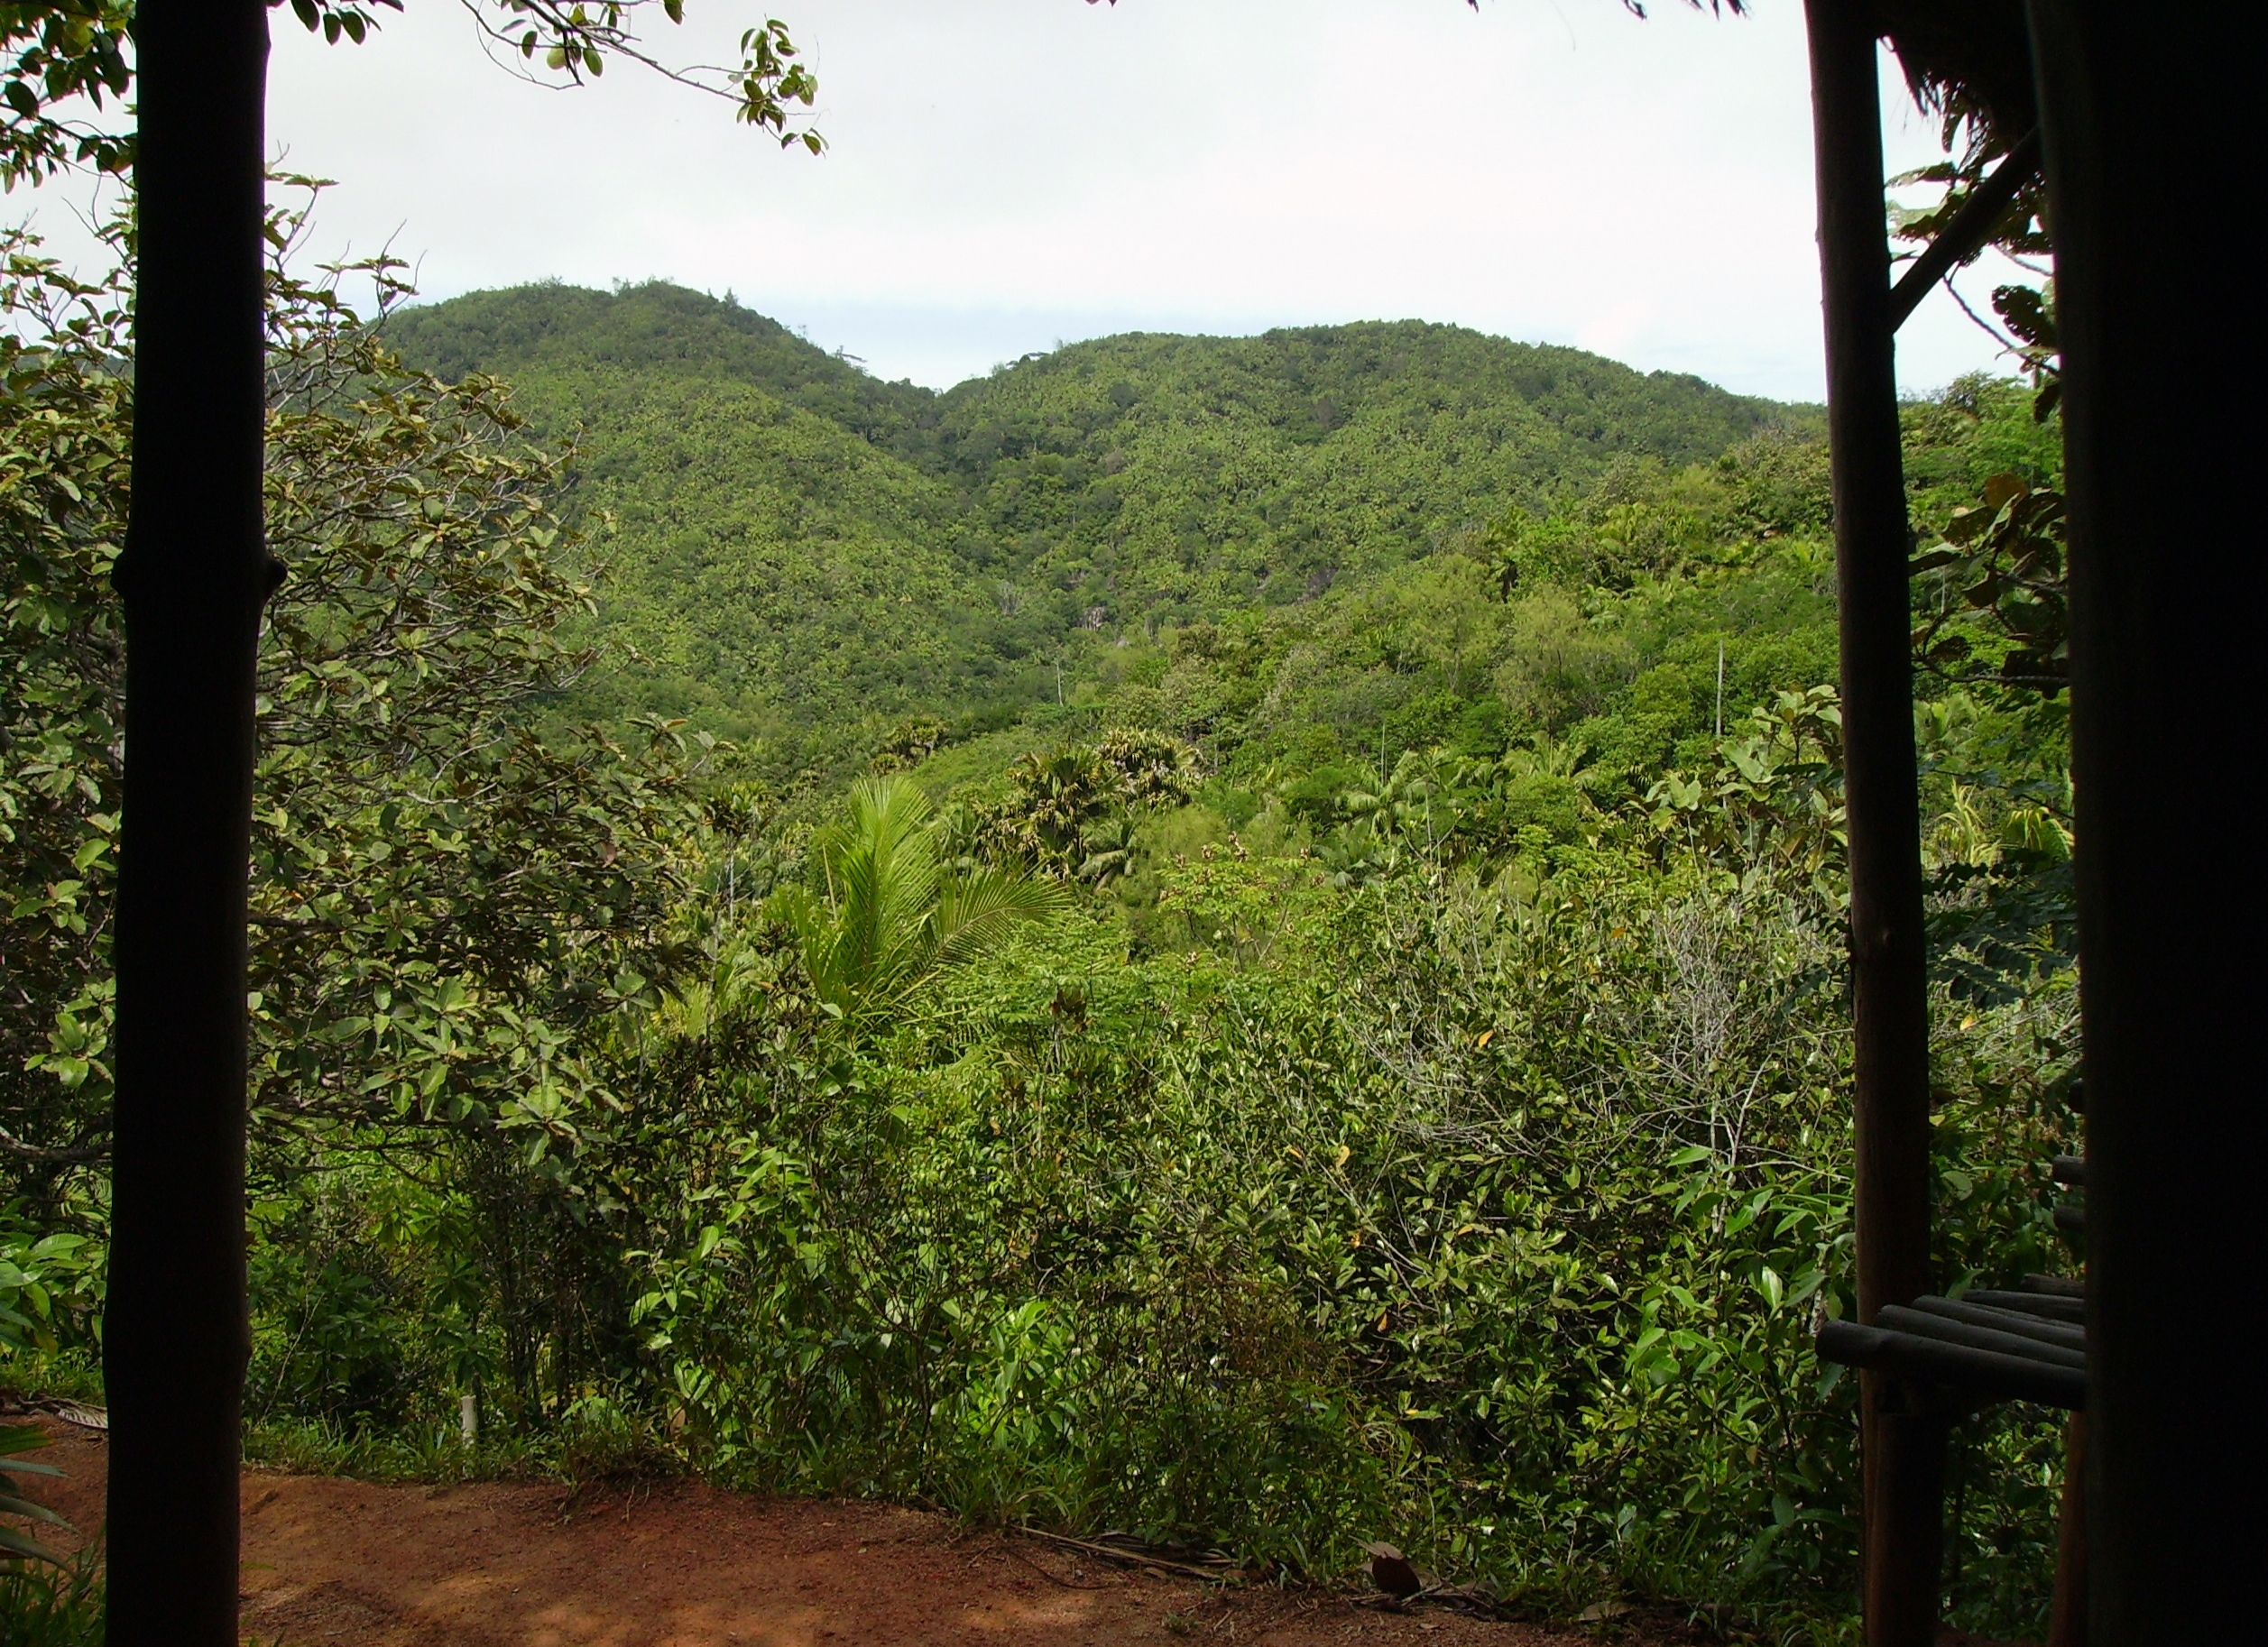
[[518, 1564]]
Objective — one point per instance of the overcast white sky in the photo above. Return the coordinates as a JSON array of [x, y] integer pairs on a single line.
[[1007, 174]]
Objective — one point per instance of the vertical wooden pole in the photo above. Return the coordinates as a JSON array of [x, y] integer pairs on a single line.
[[193, 577], [1903, 1444], [2149, 120], [2067, 1616]]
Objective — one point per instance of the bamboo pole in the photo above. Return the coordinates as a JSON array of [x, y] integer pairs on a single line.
[[193, 578], [1904, 1440]]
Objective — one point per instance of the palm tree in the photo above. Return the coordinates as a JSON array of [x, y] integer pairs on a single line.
[[887, 917], [1059, 794], [1110, 847]]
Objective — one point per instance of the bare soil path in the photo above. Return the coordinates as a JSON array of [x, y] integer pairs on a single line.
[[338, 1563]]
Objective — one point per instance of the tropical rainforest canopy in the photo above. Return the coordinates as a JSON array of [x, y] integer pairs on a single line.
[[1233, 938]]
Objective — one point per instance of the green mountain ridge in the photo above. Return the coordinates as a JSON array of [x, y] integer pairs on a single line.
[[518, 332], [800, 553]]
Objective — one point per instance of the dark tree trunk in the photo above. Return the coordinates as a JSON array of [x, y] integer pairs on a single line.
[[193, 577], [2151, 119], [1904, 1449]]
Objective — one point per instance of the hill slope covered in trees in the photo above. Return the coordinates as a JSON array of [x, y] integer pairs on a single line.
[[800, 553]]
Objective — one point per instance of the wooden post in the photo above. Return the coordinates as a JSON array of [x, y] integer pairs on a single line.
[[2067, 1616], [2149, 121], [1904, 1440], [193, 578]]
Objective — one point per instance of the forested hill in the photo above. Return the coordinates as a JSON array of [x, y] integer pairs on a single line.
[[799, 551], [530, 331]]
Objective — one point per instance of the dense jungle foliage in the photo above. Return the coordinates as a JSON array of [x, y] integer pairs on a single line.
[[1261, 963], [798, 551]]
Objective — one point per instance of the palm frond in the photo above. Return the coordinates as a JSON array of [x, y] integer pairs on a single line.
[[976, 911], [887, 917]]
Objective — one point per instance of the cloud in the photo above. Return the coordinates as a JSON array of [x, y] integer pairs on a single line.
[[1007, 173]]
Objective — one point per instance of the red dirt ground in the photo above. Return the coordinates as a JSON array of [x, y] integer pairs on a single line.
[[338, 1563]]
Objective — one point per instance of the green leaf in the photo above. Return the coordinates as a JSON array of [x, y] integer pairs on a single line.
[[17, 1543]]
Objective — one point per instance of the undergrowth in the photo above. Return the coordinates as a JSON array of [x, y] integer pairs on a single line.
[[43, 1605]]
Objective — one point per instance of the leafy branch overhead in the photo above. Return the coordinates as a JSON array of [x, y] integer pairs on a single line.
[[1975, 148], [575, 38], [65, 69], [60, 60]]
